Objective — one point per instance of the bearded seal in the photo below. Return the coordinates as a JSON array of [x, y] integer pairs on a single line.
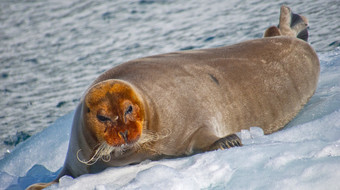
[[181, 103]]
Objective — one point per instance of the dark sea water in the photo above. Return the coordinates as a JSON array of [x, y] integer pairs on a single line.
[[50, 51]]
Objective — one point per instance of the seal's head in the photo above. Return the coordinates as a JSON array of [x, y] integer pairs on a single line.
[[114, 113]]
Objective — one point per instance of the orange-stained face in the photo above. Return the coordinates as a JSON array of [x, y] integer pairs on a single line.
[[114, 113]]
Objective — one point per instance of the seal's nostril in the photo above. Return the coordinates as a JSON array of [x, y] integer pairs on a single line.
[[124, 135]]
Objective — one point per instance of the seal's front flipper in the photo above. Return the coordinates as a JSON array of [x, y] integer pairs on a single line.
[[226, 142]]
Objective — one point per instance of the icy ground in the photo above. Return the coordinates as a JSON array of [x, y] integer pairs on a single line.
[[305, 155]]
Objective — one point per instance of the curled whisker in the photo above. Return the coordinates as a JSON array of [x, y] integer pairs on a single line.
[[103, 152], [91, 161], [106, 158]]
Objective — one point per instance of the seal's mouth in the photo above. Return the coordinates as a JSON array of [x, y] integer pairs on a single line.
[[105, 151]]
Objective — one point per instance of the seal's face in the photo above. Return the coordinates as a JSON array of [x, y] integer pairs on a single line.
[[113, 112]]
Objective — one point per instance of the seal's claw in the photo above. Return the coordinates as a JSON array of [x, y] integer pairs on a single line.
[[226, 142]]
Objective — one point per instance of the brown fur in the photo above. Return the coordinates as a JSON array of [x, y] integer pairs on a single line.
[[262, 82], [272, 31]]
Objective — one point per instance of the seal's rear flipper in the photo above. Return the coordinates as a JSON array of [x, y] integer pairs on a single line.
[[298, 24], [39, 186], [290, 24], [226, 142], [303, 35]]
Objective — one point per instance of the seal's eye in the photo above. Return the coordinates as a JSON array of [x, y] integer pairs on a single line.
[[102, 118], [129, 110]]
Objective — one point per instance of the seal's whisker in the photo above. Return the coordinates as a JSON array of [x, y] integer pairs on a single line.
[[103, 151]]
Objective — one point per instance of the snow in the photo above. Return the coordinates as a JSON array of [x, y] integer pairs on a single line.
[[305, 155]]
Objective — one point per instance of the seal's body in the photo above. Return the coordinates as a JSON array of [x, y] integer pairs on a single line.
[[180, 103], [220, 91]]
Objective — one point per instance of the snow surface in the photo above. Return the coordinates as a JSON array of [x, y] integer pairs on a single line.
[[305, 155]]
